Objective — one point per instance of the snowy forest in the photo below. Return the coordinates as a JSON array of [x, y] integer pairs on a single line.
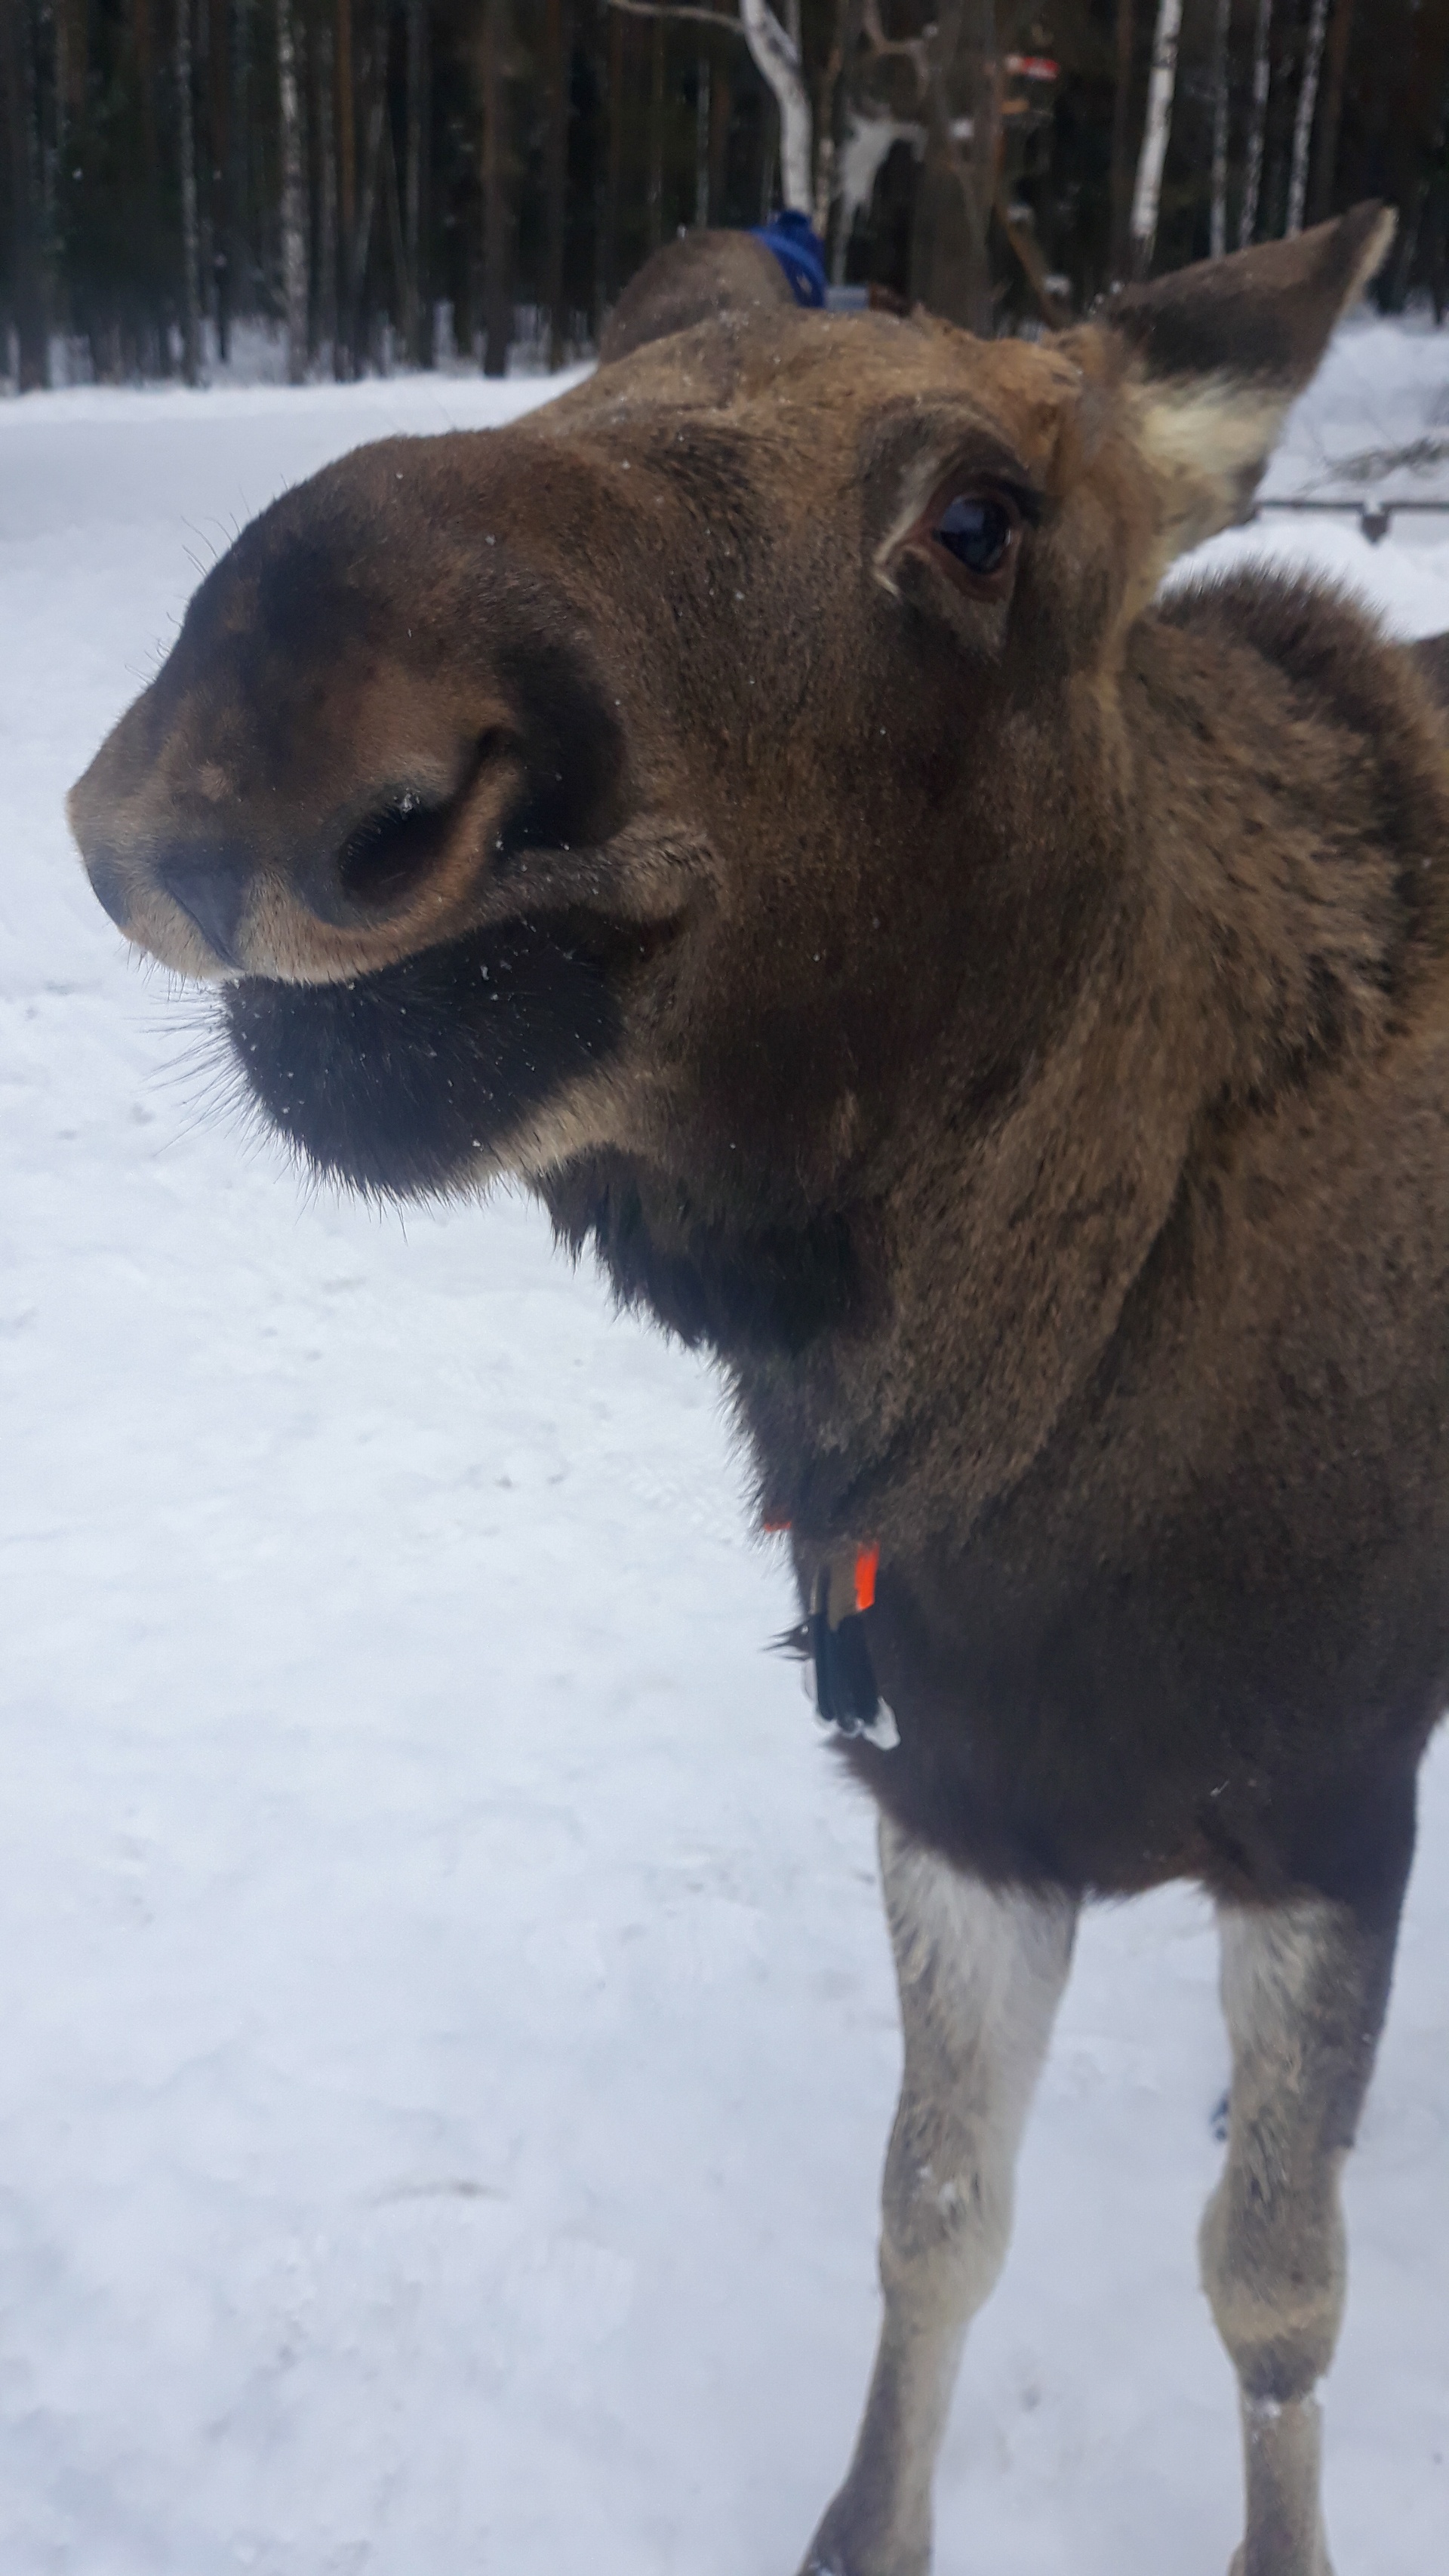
[[423, 182]]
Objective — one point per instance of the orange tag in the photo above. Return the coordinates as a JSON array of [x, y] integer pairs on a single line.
[[867, 1562]]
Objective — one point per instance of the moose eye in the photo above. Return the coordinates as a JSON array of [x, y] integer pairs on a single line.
[[978, 529]]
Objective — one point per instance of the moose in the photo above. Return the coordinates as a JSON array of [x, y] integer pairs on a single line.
[[1001, 1011]]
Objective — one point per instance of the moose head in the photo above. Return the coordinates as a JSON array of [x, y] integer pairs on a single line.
[[671, 774]]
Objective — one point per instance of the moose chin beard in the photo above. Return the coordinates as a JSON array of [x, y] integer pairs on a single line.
[[429, 1076]]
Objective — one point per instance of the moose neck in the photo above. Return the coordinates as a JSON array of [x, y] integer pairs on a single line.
[[1184, 951]]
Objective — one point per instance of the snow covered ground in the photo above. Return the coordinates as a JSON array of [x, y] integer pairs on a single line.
[[446, 2034]]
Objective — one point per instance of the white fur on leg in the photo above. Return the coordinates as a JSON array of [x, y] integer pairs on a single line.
[[980, 1971], [1304, 1987]]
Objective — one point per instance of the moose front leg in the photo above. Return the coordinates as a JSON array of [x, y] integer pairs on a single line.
[[980, 1972], [1304, 1992]]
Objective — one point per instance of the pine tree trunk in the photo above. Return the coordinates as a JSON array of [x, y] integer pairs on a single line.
[[497, 307], [614, 179], [293, 209], [71, 63], [396, 244], [656, 134], [1161, 88], [1218, 213], [239, 188], [417, 316], [950, 235], [1303, 121], [143, 31], [701, 141], [1257, 126], [27, 268], [1335, 66], [328, 301], [721, 115], [556, 172], [190, 241], [1122, 136], [344, 350], [219, 192], [367, 204]]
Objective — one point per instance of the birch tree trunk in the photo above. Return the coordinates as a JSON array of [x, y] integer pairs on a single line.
[[1218, 213], [1147, 195], [1303, 121], [776, 57], [190, 244], [1257, 126], [294, 215]]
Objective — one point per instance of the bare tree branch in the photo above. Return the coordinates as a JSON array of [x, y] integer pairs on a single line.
[[721, 18]]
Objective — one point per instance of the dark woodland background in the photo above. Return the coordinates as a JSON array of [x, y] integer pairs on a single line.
[[427, 181]]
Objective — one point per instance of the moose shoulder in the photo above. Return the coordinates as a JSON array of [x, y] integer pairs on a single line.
[[757, 799]]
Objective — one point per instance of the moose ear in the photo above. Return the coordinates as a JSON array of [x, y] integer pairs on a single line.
[[1213, 356], [695, 279]]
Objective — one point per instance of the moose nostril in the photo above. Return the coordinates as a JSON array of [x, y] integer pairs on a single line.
[[211, 892], [383, 858]]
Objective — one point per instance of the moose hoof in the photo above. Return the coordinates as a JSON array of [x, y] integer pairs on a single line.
[[837, 2551], [1318, 2566]]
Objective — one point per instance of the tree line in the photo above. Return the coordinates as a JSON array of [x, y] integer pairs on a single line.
[[417, 182]]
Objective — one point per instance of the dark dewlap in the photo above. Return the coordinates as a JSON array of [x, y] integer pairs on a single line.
[[392, 1082]]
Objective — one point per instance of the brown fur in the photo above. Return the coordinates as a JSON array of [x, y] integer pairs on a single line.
[[1012, 1030], [695, 279]]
